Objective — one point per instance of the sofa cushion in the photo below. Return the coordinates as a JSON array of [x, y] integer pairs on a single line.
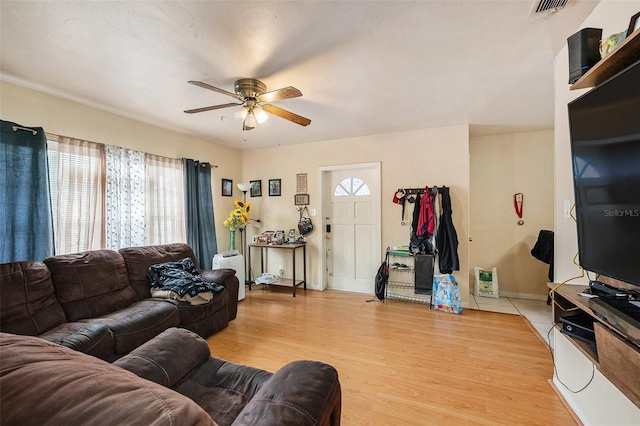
[[168, 357], [92, 339], [222, 388], [43, 383], [91, 284], [28, 304], [138, 260], [138, 323]]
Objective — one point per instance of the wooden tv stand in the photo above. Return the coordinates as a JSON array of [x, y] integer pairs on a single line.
[[616, 358]]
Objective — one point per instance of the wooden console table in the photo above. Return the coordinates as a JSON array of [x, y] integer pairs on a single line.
[[288, 282]]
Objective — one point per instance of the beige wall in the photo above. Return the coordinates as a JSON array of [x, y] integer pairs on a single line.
[[61, 117], [409, 159], [501, 166], [612, 17], [431, 157]]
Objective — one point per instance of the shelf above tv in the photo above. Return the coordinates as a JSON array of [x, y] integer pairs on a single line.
[[627, 53]]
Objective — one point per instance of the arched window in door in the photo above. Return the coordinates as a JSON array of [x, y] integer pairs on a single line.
[[351, 186]]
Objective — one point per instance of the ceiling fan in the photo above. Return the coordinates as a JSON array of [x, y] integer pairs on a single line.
[[253, 97]]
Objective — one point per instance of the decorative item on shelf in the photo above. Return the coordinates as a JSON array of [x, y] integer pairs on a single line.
[[609, 44], [238, 219]]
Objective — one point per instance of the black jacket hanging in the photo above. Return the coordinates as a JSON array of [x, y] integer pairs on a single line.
[[543, 250], [446, 237]]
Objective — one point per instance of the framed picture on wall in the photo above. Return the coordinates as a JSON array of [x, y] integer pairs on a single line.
[[302, 199], [227, 188], [256, 188], [274, 187]]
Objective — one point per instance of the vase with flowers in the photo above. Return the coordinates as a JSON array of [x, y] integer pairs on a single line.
[[238, 219]]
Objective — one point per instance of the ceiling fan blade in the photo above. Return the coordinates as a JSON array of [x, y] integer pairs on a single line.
[[215, 89], [287, 115], [245, 127], [210, 108], [280, 94]]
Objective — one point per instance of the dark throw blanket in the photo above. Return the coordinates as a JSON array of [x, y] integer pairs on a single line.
[[180, 277]]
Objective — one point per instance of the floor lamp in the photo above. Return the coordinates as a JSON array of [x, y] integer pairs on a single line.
[[244, 187]]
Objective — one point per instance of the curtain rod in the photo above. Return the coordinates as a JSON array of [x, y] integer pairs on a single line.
[[16, 128], [54, 137]]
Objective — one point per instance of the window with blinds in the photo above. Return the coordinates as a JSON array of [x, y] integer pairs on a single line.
[[111, 197]]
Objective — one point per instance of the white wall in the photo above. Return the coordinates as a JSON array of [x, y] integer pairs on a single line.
[[61, 117], [502, 165]]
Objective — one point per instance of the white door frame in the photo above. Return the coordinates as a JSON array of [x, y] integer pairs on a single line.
[[323, 171]]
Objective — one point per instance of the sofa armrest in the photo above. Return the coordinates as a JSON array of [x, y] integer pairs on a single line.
[[226, 277], [218, 276], [168, 357], [300, 393]]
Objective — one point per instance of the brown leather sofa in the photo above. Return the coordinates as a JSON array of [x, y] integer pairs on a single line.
[[202, 319], [172, 379], [87, 301]]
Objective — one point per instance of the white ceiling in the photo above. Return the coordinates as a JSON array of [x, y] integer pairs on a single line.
[[363, 67]]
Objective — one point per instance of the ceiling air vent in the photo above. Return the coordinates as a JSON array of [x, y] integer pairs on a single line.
[[546, 6]]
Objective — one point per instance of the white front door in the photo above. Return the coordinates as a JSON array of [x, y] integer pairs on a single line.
[[353, 213]]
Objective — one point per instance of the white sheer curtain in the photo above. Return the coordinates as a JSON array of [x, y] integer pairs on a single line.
[[125, 198], [164, 200], [105, 196], [77, 170]]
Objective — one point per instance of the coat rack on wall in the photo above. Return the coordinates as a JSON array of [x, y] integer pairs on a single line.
[[420, 191]]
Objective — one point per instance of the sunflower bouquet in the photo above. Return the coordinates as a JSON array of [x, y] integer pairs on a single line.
[[239, 217]]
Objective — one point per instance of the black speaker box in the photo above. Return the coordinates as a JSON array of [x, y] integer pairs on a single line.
[[584, 52], [423, 279]]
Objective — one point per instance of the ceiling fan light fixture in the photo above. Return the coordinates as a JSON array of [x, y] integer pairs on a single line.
[[250, 121], [260, 114], [241, 113]]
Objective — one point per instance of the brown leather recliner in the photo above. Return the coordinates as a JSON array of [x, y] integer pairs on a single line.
[[176, 381], [300, 393]]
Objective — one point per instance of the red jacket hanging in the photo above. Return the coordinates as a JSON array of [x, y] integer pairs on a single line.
[[426, 220]]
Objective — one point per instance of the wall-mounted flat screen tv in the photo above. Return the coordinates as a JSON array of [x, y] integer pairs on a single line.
[[605, 141]]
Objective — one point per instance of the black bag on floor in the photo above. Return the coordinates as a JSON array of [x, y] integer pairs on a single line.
[[382, 277]]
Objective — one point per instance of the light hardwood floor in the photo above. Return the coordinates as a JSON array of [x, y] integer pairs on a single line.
[[399, 363]]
